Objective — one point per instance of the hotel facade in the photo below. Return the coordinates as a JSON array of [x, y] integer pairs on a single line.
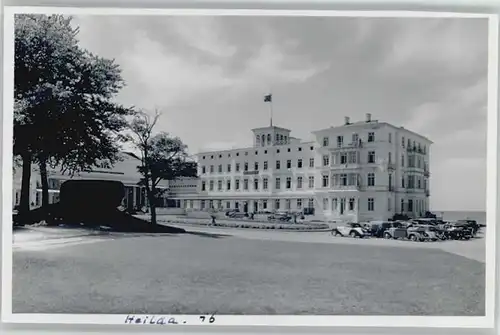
[[365, 170]]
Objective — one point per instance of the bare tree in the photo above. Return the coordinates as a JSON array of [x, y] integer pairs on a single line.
[[162, 157]]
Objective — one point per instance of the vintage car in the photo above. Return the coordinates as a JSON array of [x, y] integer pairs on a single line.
[[395, 233], [459, 231], [377, 228], [352, 230], [279, 216]]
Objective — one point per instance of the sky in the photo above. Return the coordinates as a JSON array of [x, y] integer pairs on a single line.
[[208, 76]]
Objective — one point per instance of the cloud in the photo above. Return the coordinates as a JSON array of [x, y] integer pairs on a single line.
[[209, 74]]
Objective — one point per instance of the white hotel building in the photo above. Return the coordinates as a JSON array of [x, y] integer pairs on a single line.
[[365, 170]]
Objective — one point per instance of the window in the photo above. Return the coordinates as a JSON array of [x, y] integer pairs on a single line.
[[410, 205], [403, 145], [288, 149], [203, 186], [287, 204], [289, 164], [311, 181], [351, 203], [268, 138], [202, 204], [311, 162], [265, 165], [371, 179], [211, 185], [325, 203], [355, 138], [300, 149], [343, 179], [220, 168], [403, 181], [237, 167], [299, 203], [237, 185], [278, 183], [211, 169], [326, 160], [371, 157], [203, 169], [288, 182], [229, 168], [219, 185], [390, 137], [228, 204], [311, 203], [389, 204], [278, 165], [264, 204], [299, 163], [311, 148], [256, 166], [228, 185], [299, 182], [402, 160], [371, 204], [371, 137], [334, 204], [340, 141], [343, 158], [326, 180], [352, 157], [277, 204], [245, 184], [245, 167], [326, 141], [256, 184], [402, 205], [264, 183], [390, 157], [419, 183]]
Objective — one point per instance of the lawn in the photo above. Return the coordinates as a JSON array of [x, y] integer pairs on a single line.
[[197, 274]]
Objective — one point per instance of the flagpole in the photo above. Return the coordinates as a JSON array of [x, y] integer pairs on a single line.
[[271, 105]]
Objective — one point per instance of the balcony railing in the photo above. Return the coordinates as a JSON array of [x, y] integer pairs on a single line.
[[348, 166], [415, 150], [346, 187], [426, 173], [391, 166], [352, 145]]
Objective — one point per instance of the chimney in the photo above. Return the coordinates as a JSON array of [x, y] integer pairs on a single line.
[[347, 120], [368, 117]]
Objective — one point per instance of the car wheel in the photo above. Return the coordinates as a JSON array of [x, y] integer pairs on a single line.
[[387, 235], [353, 234], [413, 238]]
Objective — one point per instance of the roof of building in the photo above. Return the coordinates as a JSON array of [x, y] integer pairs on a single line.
[[271, 127], [359, 124]]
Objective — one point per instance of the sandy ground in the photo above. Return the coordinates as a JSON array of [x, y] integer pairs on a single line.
[[237, 271]]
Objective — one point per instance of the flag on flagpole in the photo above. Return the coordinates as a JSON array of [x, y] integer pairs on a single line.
[[268, 98]]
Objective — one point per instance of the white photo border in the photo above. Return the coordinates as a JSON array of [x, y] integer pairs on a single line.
[[487, 321]]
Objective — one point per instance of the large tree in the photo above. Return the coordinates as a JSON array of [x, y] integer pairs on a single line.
[[162, 157], [64, 115]]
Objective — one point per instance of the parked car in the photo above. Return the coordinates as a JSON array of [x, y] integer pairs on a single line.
[[352, 230], [284, 217], [395, 233], [377, 228], [236, 214], [459, 231]]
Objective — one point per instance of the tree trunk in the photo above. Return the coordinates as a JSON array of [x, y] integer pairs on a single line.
[[24, 204], [152, 205], [45, 182]]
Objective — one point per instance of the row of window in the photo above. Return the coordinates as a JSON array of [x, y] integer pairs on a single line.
[[355, 140], [256, 166], [299, 149], [341, 179], [260, 140]]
